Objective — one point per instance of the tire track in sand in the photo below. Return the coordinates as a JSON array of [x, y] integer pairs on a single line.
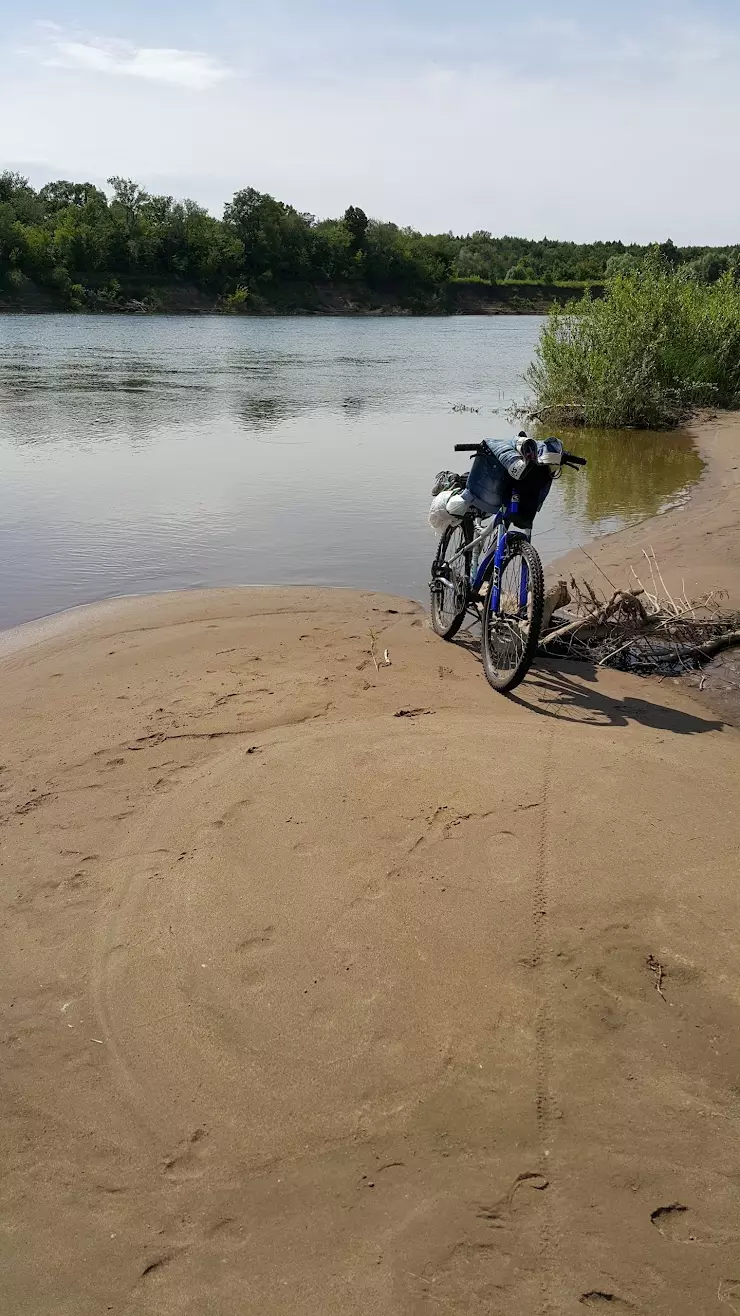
[[544, 1024], [117, 942]]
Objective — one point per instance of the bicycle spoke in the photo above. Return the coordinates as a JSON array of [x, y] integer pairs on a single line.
[[450, 583], [508, 629]]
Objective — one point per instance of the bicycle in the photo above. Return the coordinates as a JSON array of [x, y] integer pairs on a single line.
[[492, 569]]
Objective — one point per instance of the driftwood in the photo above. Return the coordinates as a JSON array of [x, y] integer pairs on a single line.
[[625, 603], [710, 648], [556, 597], [641, 628]]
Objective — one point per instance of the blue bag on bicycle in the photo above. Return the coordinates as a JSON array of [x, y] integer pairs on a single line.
[[494, 475], [489, 483]]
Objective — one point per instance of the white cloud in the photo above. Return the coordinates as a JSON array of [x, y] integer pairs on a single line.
[[94, 54]]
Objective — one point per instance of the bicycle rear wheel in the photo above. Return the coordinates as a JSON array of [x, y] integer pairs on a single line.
[[450, 583], [511, 634]]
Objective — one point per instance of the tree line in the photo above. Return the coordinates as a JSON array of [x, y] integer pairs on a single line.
[[87, 246]]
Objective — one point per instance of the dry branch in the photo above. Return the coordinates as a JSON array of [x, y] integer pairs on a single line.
[[712, 647], [641, 629]]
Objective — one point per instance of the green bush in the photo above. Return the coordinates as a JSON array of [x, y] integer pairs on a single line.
[[76, 297], [110, 293], [657, 345], [236, 301]]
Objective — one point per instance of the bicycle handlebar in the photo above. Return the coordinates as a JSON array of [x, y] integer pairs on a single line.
[[568, 458]]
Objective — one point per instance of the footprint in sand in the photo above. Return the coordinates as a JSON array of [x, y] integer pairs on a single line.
[[601, 1298], [262, 938], [499, 1212], [671, 1223], [680, 1224], [251, 950], [234, 812], [157, 1263], [188, 1162]]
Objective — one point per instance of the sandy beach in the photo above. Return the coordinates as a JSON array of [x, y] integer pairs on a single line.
[[335, 989]]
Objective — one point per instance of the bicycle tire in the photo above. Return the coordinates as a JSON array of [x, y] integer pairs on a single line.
[[448, 626], [506, 679]]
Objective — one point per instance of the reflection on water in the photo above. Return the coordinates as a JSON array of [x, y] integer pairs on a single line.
[[263, 413], [146, 454], [630, 475]]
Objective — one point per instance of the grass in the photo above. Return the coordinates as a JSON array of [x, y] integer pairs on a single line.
[[552, 283], [658, 345], [529, 283]]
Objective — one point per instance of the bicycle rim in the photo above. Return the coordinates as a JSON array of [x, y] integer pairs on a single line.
[[511, 634], [450, 585]]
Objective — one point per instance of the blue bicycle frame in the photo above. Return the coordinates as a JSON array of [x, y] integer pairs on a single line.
[[494, 558]]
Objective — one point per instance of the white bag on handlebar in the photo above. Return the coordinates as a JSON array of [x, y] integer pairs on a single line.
[[447, 509]]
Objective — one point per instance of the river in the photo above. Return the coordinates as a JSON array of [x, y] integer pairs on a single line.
[[148, 454]]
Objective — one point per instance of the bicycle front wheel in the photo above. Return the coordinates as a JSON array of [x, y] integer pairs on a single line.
[[450, 587], [511, 633]]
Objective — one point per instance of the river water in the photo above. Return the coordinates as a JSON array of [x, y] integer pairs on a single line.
[[146, 454]]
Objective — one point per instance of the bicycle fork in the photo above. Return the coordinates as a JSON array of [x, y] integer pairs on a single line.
[[494, 562]]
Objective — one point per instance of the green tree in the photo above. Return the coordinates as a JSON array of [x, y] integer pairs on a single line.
[[59, 195], [277, 240], [523, 272], [356, 222]]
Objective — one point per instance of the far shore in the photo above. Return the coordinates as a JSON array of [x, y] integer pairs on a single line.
[[449, 299]]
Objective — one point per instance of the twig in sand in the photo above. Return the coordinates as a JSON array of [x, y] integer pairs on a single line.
[[728, 1291], [598, 568], [373, 654], [592, 595], [665, 588], [652, 573], [656, 968]]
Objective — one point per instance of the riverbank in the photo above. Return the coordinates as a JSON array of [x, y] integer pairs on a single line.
[[455, 298], [302, 946], [696, 543], [696, 546]]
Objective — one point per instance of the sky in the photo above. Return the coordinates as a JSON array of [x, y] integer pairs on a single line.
[[576, 121]]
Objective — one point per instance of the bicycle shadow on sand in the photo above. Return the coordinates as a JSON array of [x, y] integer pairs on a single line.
[[569, 692]]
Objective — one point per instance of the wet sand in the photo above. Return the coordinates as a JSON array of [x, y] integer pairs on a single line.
[[335, 989]]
